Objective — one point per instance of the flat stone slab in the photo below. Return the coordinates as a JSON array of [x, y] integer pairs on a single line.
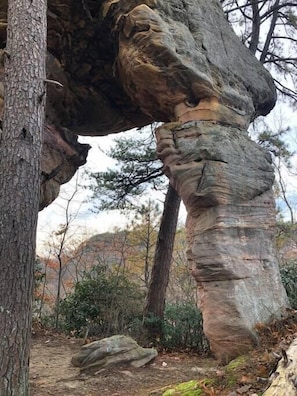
[[115, 350]]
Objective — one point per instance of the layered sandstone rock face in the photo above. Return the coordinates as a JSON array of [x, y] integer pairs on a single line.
[[127, 63], [225, 181], [171, 57], [62, 155]]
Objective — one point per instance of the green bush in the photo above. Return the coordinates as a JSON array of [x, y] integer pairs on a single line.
[[289, 278], [107, 304], [104, 303], [183, 328]]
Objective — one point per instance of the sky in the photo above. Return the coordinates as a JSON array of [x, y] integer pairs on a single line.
[[87, 222], [51, 217]]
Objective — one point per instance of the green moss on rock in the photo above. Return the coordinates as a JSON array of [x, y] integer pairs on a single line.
[[190, 388], [236, 363], [232, 370]]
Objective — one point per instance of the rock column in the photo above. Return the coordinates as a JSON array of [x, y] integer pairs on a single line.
[[180, 62], [225, 181]]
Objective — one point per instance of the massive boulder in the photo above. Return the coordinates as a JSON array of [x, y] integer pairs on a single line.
[[124, 64], [225, 181], [128, 63]]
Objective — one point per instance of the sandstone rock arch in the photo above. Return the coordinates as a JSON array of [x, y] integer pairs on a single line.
[[128, 63]]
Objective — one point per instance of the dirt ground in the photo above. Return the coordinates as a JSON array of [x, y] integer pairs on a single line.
[[51, 372]]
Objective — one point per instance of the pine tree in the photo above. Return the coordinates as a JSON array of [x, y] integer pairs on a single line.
[[20, 151], [137, 168]]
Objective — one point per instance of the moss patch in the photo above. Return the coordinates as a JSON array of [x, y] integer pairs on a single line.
[[232, 370], [191, 388], [236, 363]]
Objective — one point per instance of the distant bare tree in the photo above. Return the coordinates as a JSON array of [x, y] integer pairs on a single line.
[[269, 29]]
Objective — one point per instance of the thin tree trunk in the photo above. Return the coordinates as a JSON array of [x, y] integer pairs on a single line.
[[58, 297], [155, 303], [255, 34], [20, 150], [270, 32], [43, 292]]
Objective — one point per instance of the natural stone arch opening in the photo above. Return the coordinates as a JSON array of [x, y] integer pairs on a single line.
[[127, 63]]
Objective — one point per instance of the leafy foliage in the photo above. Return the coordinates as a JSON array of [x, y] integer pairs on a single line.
[[103, 302], [183, 328], [274, 142], [286, 236], [106, 303], [289, 278], [286, 242], [182, 285], [38, 275], [136, 168], [142, 239]]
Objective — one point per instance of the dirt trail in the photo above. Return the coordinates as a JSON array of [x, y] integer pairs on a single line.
[[51, 372]]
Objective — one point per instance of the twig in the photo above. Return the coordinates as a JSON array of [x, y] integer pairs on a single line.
[[54, 82]]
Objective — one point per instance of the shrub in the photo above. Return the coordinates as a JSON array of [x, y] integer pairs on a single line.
[[183, 328], [104, 303], [289, 278]]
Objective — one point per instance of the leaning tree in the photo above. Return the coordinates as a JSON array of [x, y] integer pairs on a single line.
[[137, 169]]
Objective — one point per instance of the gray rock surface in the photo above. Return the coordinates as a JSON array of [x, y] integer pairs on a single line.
[[225, 181], [115, 350], [62, 155], [128, 63], [170, 52]]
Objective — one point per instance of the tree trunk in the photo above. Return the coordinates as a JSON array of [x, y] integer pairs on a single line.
[[155, 303], [20, 150], [58, 297]]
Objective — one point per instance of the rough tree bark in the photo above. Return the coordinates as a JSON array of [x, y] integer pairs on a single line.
[[155, 302], [20, 151]]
